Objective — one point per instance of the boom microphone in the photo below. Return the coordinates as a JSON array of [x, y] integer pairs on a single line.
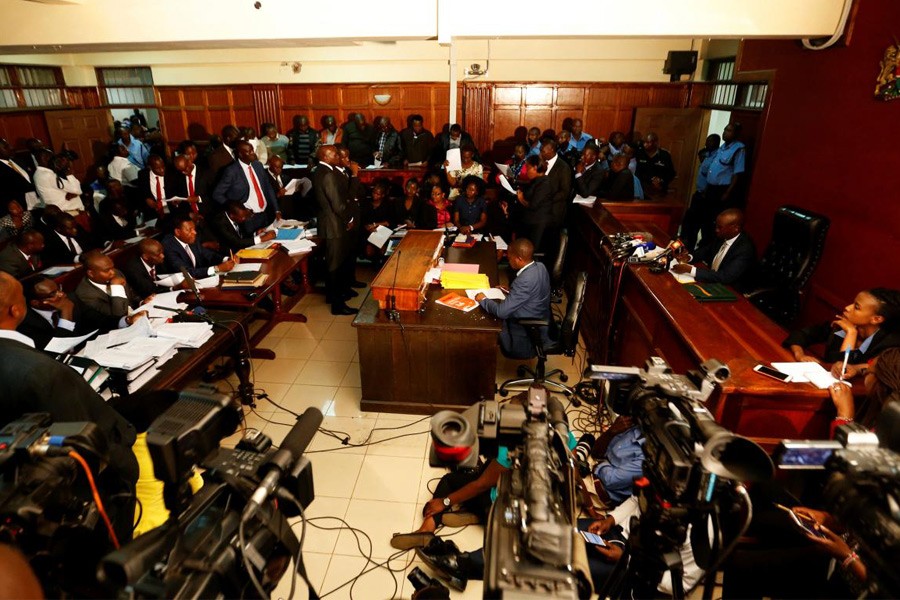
[[292, 448], [193, 284]]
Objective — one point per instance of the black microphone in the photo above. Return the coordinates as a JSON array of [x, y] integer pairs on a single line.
[[393, 313], [290, 451], [193, 284]]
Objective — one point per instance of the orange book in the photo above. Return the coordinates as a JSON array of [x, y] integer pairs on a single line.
[[458, 302]]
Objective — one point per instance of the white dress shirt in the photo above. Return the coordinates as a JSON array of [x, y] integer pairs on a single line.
[[64, 323], [45, 182], [719, 257], [252, 201], [12, 334], [65, 240], [122, 169], [551, 162], [190, 253]]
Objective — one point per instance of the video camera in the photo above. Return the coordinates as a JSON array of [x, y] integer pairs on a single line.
[[47, 508], [862, 490], [530, 540], [230, 534], [692, 469]]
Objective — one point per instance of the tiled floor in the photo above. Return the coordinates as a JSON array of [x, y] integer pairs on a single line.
[[378, 489]]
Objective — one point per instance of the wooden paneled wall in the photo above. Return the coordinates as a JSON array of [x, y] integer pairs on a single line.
[[16, 127], [198, 112]]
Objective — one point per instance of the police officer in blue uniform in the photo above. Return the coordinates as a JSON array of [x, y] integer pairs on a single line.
[[690, 227]]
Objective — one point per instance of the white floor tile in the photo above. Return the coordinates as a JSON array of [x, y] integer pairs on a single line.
[[335, 473], [322, 373], [430, 478], [357, 428], [295, 348], [334, 350], [280, 370], [388, 478], [408, 446], [380, 520], [346, 404], [352, 377], [301, 396], [322, 532], [316, 566], [342, 331], [275, 391], [279, 330], [319, 312], [311, 330], [376, 584]]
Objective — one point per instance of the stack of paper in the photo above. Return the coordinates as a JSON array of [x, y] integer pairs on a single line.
[[187, 335], [62, 345], [207, 282], [463, 281], [490, 293], [589, 201], [807, 372], [297, 246]]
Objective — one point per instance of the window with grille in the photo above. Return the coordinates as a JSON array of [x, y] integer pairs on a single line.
[[126, 86], [729, 94], [31, 87]]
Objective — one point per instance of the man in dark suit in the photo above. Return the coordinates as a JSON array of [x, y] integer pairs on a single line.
[[51, 313], [619, 184], [103, 296], [730, 256], [67, 242], [15, 182], [386, 143], [559, 174], [117, 222], [153, 185], [247, 182], [183, 252], [529, 298], [293, 206], [224, 154], [454, 137], [229, 227], [416, 141], [589, 173], [22, 257], [191, 182], [143, 270], [331, 187]]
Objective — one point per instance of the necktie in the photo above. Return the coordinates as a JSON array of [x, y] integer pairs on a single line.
[[717, 261], [259, 195], [191, 255], [159, 199], [31, 264], [72, 246], [54, 319], [191, 192], [153, 273]]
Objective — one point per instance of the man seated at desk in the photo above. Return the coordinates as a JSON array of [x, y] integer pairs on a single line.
[[868, 326], [229, 227], [730, 256], [22, 256], [51, 313], [529, 298], [183, 252], [103, 296], [143, 270]]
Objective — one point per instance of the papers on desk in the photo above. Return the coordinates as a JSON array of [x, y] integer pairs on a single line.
[[134, 240], [461, 267], [380, 236], [491, 293], [464, 281], [589, 201], [150, 223], [170, 280], [62, 345], [303, 185], [288, 234], [500, 242], [186, 335], [504, 169], [454, 159], [506, 186], [432, 275], [807, 372], [298, 246], [289, 224], [56, 271], [207, 282], [246, 268], [680, 277], [181, 199]]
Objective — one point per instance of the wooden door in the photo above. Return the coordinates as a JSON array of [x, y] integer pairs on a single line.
[[87, 132], [682, 132]]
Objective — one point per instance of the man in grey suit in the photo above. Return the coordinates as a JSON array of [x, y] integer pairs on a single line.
[[22, 257], [104, 296], [335, 224], [529, 298]]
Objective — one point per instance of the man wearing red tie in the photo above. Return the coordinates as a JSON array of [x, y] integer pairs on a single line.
[[152, 184], [247, 182], [188, 181]]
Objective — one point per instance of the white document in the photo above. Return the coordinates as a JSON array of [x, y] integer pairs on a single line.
[[681, 277], [291, 186], [170, 280], [492, 293], [504, 169], [433, 274], [500, 242], [207, 282], [176, 199], [140, 328], [54, 271], [61, 345], [247, 267], [478, 236], [380, 236], [455, 160], [506, 186], [589, 201], [150, 223], [134, 240], [807, 372], [167, 298]]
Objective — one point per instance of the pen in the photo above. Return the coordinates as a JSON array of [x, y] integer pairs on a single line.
[[116, 345], [844, 366]]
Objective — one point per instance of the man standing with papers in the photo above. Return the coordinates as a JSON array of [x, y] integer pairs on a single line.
[[529, 298]]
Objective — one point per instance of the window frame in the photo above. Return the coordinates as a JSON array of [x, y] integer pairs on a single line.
[[104, 87], [19, 89]]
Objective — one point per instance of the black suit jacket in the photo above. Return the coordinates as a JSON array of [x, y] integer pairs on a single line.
[[110, 229], [560, 181], [619, 186], [736, 264], [177, 258], [13, 262], [57, 252], [12, 187], [225, 232], [332, 189], [216, 162], [142, 185], [41, 331], [202, 188], [139, 279], [590, 182], [233, 185], [98, 309]]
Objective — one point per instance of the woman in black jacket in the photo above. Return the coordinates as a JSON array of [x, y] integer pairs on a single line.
[[537, 203]]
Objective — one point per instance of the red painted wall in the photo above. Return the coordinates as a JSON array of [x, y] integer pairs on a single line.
[[830, 146]]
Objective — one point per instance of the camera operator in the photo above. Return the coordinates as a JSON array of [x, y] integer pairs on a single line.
[[33, 382]]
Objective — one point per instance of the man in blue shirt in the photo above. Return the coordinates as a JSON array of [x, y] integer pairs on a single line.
[[698, 212], [579, 138], [534, 141], [725, 179], [137, 150]]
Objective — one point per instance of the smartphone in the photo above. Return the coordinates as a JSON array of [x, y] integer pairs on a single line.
[[592, 538], [803, 522], [804, 454], [773, 373]]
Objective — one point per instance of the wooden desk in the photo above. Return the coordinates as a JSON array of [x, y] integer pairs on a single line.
[[438, 359], [278, 268], [655, 316], [665, 214]]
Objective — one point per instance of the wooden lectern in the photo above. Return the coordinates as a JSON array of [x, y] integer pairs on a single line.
[[403, 275]]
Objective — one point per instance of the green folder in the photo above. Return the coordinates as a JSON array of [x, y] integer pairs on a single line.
[[710, 292]]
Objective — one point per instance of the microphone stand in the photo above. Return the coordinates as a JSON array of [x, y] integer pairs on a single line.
[[393, 313]]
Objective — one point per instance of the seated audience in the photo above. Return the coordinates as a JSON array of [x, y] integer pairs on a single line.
[[454, 137], [533, 139], [138, 153], [22, 257], [57, 186], [51, 313], [469, 210], [67, 242], [529, 298], [120, 167], [142, 271], [536, 200], [730, 256], [15, 181], [230, 228], [183, 252], [375, 211], [245, 181], [469, 167], [616, 143], [104, 298], [416, 142], [590, 172], [116, 221], [387, 149], [868, 326], [570, 155], [516, 165], [302, 142], [16, 221], [442, 206], [655, 168], [412, 211], [276, 143]]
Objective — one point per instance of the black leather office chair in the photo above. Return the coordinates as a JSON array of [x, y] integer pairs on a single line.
[[798, 238], [566, 344], [556, 269]]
